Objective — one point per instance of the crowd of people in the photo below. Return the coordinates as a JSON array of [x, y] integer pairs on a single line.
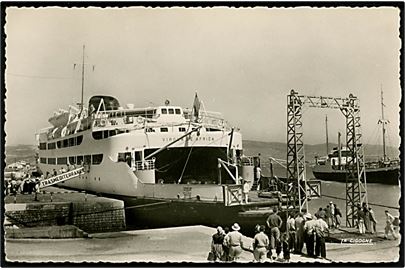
[[269, 243], [30, 184], [22, 186]]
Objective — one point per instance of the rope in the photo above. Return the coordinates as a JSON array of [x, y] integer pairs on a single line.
[[185, 165]]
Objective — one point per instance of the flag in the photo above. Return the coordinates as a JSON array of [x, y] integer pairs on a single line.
[[196, 106]]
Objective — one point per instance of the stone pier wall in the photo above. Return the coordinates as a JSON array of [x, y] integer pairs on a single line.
[[96, 215]]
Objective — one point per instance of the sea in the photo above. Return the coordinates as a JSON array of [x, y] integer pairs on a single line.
[[380, 197]]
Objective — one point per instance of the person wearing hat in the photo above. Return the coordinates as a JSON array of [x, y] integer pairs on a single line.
[[234, 241], [321, 230], [260, 245], [310, 233], [216, 244]]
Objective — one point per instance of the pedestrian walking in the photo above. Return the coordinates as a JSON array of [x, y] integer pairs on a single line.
[[260, 245], [388, 226], [310, 235], [216, 244], [299, 227], [234, 242], [321, 229], [338, 216], [274, 223]]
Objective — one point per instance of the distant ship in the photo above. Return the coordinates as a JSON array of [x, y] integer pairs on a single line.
[[382, 171]]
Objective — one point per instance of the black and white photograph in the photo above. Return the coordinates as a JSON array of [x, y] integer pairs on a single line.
[[261, 135]]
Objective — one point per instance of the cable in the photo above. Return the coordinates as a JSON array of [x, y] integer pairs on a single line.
[[39, 77]]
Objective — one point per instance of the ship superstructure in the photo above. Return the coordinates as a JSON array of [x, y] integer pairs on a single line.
[[126, 150]]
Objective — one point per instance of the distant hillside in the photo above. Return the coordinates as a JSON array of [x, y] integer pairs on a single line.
[[279, 150], [20, 152]]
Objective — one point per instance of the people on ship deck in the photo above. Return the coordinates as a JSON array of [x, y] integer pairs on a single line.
[[245, 190]]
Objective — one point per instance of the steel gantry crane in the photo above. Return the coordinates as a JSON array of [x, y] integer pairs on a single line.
[[356, 187]]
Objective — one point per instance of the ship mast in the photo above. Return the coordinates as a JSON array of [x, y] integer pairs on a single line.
[[382, 121], [81, 101], [327, 139]]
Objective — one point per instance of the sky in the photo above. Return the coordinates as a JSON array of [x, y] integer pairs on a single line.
[[242, 62]]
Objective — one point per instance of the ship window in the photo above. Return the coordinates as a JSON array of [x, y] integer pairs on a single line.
[[150, 130], [164, 111], [121, 157], [97, 159], [62, 160], [42, 146], [72, 142], [87, 159], [178, 111], [51, 146], [79, 160], [97, 135], [42, 160], [79, 139], [59, 144], [164, 129], [112, 133], [182, 129], [65, 143], [72, 160], [105, 134], [171, 111], [51, 161]]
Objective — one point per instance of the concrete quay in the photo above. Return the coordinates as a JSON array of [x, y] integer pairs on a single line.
[[175, 245]]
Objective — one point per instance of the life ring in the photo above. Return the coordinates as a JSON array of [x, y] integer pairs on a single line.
[[139, 120], [102, 123]]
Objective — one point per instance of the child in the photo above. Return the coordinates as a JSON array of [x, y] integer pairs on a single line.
[[286, 249]]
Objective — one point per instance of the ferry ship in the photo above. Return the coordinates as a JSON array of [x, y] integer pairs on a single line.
[[170, 165]]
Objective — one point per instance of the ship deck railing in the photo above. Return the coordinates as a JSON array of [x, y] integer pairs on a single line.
[[144, 165]]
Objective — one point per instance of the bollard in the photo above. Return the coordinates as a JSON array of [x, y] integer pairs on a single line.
[[51, 197]]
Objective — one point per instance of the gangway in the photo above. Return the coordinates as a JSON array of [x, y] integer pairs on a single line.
[[356, 184], [61, 177]]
